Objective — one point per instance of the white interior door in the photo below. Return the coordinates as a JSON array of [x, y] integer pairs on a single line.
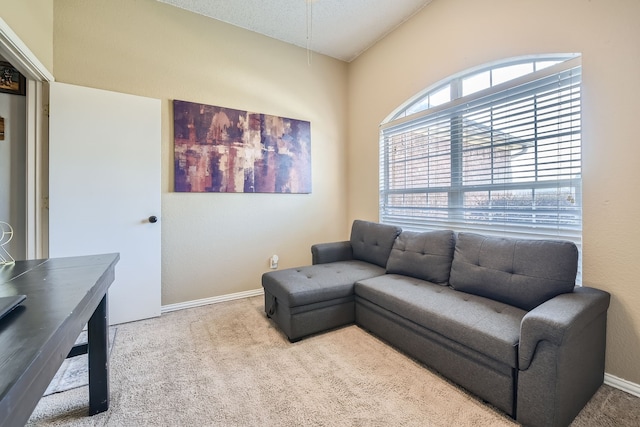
[[104, 185]]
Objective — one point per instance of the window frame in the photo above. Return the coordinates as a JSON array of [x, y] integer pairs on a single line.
[[400, 117]]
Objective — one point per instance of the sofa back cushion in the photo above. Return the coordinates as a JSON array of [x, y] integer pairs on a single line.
[[425, 255], [519, 272], [372, 242]]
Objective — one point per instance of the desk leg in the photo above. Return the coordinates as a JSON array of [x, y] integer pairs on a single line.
[[98, 339]]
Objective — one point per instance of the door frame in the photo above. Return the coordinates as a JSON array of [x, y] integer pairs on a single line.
[[20, 56]]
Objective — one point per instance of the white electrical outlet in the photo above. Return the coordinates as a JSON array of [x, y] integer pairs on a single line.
[[273, 262]]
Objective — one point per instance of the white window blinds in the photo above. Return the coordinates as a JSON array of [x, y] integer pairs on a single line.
[[505, 160]]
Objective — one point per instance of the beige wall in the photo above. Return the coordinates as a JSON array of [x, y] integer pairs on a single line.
[[449, 36], [32, 21], [216, 244]]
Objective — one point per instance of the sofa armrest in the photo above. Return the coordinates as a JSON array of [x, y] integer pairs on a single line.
[[323, 253], [559, 319], [561, 357]]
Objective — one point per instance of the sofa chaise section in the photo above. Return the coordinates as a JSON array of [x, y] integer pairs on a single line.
[[310, 299]]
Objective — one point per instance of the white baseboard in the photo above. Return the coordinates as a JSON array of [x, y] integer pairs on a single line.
[[213, 300], [624, 385], [611, 380]]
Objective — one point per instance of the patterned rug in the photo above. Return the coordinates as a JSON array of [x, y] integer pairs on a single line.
[[74, 372]]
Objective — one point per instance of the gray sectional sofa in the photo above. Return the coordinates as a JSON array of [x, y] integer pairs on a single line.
[[500, 317]]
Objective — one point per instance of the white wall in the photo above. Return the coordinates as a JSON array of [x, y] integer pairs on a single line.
[[12, 171]]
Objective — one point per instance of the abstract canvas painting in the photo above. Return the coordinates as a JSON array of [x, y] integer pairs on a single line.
[[223, 150]]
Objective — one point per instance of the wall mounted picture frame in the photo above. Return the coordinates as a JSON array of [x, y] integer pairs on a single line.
[[11, 81], [223, 150]]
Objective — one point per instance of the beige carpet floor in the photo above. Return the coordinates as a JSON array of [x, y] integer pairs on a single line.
[[227, 365]]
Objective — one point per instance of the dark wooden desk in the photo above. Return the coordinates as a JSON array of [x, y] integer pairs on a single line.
[[63, 295]]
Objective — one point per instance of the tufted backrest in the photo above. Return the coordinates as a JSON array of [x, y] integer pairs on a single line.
[[372, 242], [519, 272], [425, 255]]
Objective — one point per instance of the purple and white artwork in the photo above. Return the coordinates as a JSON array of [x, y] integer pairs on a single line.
[[223, 150]]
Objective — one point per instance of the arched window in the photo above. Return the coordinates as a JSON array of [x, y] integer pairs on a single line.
[[495, 150]]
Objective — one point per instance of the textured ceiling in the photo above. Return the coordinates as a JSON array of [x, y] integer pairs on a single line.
[[342, 29]]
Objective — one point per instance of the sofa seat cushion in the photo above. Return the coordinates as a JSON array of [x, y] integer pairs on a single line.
[[311, 284], [521, 272], [427, 255], [489, 327]]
